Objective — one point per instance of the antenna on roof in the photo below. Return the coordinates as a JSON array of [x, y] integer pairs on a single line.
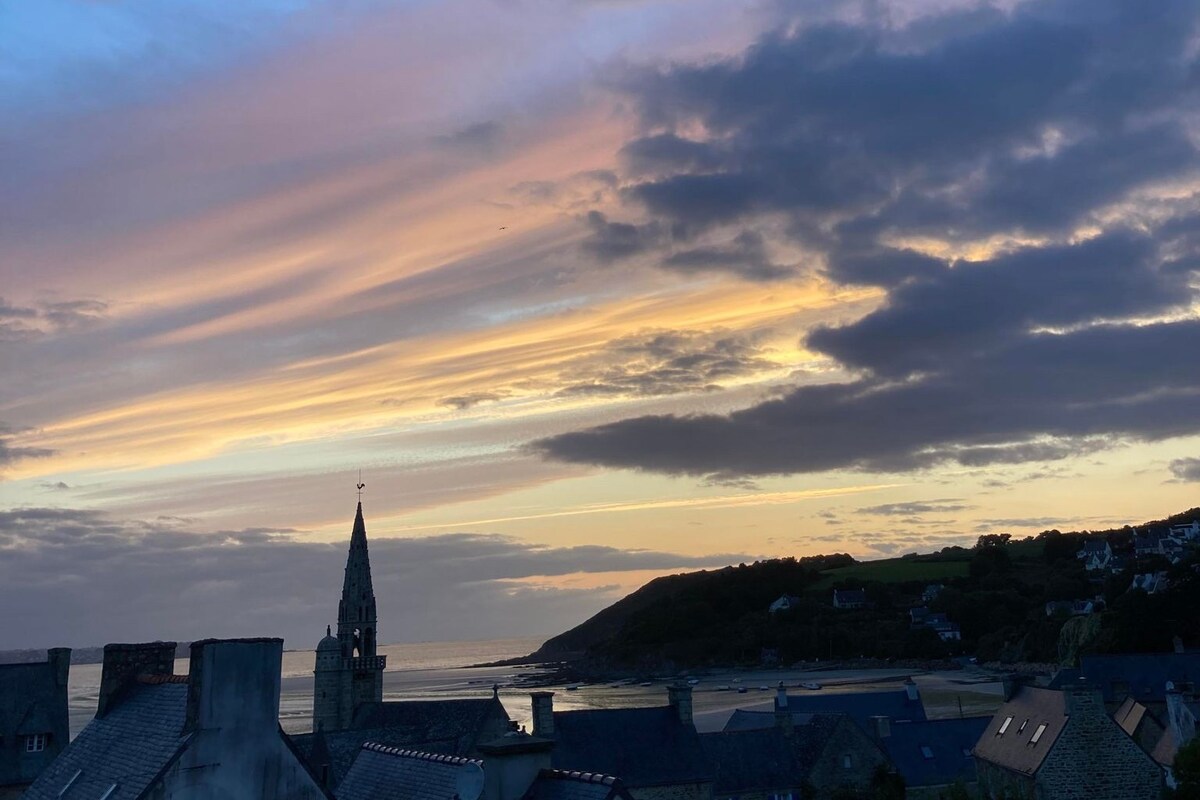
[[360, 485]]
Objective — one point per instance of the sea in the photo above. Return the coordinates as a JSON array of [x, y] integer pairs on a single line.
[[444, 671]]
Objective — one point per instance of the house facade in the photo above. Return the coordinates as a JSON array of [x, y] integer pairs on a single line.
[[1047, 744], [212, 734], [34, 723]]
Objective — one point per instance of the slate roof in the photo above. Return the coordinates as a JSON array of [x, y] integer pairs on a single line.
[[934, 752], [1142, 676], [1030, 708], [389, 773], [642, 746], [860, 706], [432, 726], [845, 596], [130, 746], [557, 784], [767, 759]]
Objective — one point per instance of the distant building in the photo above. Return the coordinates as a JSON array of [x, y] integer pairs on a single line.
[[349, 671], [937, 622], [849, 598], [931, 755], [1150, 582], [818, 758], [213, 733], [514, 767], [785, 602], [1060, 745], [931, 592], [862, 707], [1073, 608], [34, 725], [655, 751], [1189, 531], [1096, 554]]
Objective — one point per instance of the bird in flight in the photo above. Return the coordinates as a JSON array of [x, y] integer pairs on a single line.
[[503, 227]]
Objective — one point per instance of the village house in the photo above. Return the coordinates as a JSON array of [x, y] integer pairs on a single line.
[[1095, 554], [1189, 531], [34, 725], [786, 602], [655, 751], [935, 621], [825, 755], [849, 598], [1150, 582], [1142, 676], [1062, 745], [931, 755], [208, 735], [862, 707], [1073, 608]]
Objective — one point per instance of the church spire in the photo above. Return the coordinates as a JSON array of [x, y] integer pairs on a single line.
[[356, 612]]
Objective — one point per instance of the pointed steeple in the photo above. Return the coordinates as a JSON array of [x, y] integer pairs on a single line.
[[356, 611]]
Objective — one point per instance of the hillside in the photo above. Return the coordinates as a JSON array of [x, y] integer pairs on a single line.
[[994, 593]]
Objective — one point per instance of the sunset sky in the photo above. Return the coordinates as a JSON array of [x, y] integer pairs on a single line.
[[589, 290]]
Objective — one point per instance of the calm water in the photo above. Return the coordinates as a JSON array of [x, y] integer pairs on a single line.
[[436, 670], [426, 670]]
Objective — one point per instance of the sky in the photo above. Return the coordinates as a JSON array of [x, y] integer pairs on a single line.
[[590, 291]]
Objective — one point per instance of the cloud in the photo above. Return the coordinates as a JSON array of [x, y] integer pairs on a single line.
[[464, 401], [746, 256], [916, 507], [78, 577], [893, 149], [11, 453], [1186, 469], [665, 363]]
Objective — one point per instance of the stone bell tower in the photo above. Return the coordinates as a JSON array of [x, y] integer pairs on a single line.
[[348, 671]]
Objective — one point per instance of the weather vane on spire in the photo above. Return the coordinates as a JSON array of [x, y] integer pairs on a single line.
[[360, 485]]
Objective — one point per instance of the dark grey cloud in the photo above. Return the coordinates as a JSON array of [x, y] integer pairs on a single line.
[[1028, 125], [461, 402], [1186, 469], [916, 507], [1040, 397], [745, 256], [665, 363], [26, 323], [79, 577], [614, 241], [10, 453]]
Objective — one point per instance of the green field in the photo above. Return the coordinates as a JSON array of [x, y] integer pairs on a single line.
[[894, 570]]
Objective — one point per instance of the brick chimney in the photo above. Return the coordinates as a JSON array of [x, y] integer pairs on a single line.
[[543, 714], [679, 696], [512, 763], [60, 658], [881, 726], [123, 663], [233, 684]]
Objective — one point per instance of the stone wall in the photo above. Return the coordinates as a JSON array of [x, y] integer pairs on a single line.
[[995, 781], [1093, 759], [830, 773]]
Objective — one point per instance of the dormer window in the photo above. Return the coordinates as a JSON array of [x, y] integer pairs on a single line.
[[1004, 727], [36, 743]]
